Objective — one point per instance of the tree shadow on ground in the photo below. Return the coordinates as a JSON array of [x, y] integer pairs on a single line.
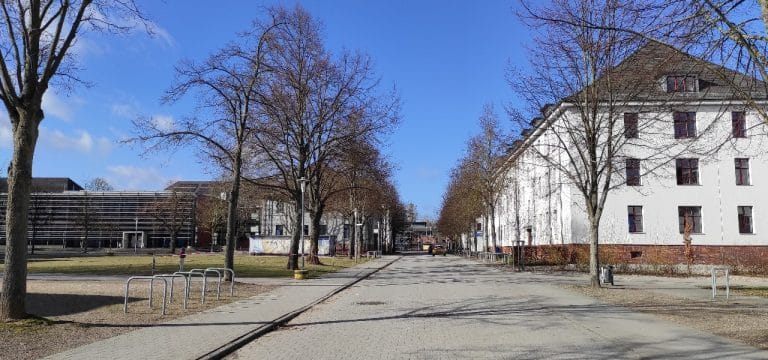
[[68, 304]]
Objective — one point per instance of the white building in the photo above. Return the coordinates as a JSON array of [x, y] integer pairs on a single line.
[[689, 147]]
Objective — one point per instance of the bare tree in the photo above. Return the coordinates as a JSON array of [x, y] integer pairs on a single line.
[[86, 220], [486, 156], [99, 184], [461, 204], [173, 212], [315, 104], [575, 66], [37, 38], [228, 86], [211, 214], [40, 215]]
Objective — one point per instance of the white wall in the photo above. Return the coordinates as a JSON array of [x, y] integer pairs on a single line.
[[554, 208]]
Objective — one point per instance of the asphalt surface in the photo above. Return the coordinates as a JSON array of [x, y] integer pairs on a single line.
[[424, 307]]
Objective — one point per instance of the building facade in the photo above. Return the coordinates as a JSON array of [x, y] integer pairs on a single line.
[[62, 213], [692, 161]]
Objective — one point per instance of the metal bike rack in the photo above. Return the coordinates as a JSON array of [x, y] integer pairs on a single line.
[[186, 287], [205, 277], [232, 285], [188, 277], [726, 271], [151, 290]]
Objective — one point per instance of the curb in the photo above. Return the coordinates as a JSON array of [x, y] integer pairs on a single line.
[[241, 341]]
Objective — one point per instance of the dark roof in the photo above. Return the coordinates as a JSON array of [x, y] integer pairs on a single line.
[[207, 188], [641, 76], [49, 185]]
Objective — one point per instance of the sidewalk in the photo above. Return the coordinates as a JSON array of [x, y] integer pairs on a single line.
[[215, 332]]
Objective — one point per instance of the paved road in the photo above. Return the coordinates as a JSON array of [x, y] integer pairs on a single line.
[[424, 307]]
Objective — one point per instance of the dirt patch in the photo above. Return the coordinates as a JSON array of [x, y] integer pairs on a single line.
[[734, 320], [76, 313]]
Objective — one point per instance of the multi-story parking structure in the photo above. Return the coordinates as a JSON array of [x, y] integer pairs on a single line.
[[62, 213]]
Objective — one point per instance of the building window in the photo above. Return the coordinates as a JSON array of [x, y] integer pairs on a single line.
[[635, 218], [739, 123], [678, 83], [685, 124], [630, 125], [691, 216], [306, 230], [279, 230], [633, 172], [745, 219], [323, 230], [687, 171], [742, 171]]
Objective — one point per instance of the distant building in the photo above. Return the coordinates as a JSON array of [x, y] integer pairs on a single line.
[[62, 213]]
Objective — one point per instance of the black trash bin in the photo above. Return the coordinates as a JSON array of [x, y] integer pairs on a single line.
[[606, 274]]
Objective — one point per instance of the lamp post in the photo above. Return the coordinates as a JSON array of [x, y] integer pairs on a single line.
[[303, 183]]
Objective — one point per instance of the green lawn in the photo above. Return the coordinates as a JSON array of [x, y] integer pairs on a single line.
[[245, 265]]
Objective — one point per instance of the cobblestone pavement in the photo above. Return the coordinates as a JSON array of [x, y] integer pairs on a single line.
[[424, 307]]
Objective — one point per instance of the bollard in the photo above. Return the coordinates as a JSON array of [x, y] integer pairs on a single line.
[[182, 255]]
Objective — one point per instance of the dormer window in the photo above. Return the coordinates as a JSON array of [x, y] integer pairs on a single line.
[[681, 83]]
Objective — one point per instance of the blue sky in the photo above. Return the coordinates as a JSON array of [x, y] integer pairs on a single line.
[[446, 59]]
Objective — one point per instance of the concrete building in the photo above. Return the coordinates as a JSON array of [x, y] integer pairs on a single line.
[[692, 154], [63, 213]]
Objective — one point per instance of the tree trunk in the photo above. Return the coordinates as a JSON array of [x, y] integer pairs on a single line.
[[84, 241], [486, 234], [365, 241], [358, 238], [293, 257], [14, 290], [231, 236], [314, 237], [594, 260], [350, 249], [172, 245], [493, 228]]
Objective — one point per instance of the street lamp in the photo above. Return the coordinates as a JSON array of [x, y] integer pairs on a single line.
[[303, 183]]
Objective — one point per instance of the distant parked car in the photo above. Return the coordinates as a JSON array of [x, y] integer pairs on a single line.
[[439, 250]]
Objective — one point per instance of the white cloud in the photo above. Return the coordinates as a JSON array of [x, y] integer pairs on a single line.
[[128, 20], [164, 122], [63, 109], [124, 110], [130, 177], [84, 47], [162, 34], [82, 142]]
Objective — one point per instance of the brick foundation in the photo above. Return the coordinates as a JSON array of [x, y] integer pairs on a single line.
[[745, 259]]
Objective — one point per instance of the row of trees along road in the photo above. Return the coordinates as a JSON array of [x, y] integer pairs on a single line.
[[241, 91], [276, 108], [475, 189], [579, 52]]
